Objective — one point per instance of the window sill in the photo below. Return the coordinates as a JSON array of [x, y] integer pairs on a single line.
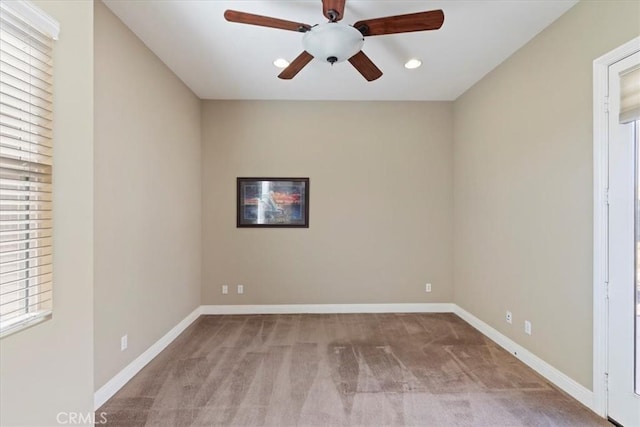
[[23, 322]]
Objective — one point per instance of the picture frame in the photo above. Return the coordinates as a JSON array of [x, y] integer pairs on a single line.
[[273, 202]]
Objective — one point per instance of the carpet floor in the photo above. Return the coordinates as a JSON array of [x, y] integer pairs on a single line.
[[339, 370]]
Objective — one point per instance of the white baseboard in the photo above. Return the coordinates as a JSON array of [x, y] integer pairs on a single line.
[[329, 308], [562, 381], [105, 392]]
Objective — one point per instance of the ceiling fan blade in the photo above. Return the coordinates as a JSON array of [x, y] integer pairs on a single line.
[[296, 65], [336, 5], [421, 21], [365, 66], [264, 21]]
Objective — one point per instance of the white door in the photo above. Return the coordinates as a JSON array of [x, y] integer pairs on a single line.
[[624, 274]]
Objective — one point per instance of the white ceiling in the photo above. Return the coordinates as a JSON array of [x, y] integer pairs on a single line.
[[222, 60]]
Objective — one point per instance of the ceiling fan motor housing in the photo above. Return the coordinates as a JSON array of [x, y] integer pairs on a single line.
[[333, 42]]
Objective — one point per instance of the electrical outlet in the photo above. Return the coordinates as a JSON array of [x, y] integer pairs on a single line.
[[508, 317], [527, 327], [225, 289], [123, 343], [240, 289], [427, 287]]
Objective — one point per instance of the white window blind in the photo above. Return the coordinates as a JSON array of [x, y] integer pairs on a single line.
[[630, 95], [26, 149]]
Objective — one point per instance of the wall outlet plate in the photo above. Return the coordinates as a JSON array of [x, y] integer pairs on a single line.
[[527, 327], [225, 289], [427, 287], [508, 317], [240, 289], [124, 342]]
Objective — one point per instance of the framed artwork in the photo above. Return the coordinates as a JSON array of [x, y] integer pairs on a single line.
[[273, 202]]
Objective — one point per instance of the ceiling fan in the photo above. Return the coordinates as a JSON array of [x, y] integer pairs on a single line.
[[337, 42]]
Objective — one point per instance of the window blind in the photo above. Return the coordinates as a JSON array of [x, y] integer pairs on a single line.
[[26, 149], [630, 95]]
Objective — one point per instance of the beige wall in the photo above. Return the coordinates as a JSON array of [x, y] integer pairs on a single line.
[[48, 368], [147, 197], [523, 186], [380, 208]]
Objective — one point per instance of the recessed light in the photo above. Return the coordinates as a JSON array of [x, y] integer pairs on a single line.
[[281, 63], [412, 63]]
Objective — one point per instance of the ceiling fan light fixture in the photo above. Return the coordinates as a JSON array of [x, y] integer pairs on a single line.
[[281, 63], [332, 42], [412, 64]]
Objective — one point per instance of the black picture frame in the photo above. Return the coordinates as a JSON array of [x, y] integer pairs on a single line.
[[272, 202]]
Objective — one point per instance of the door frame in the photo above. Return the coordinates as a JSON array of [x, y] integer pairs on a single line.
[[600, 217]]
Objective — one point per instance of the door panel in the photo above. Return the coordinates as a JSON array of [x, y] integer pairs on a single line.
[[623, 402]]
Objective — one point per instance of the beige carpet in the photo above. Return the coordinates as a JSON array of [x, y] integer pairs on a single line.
[[339, 370]]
